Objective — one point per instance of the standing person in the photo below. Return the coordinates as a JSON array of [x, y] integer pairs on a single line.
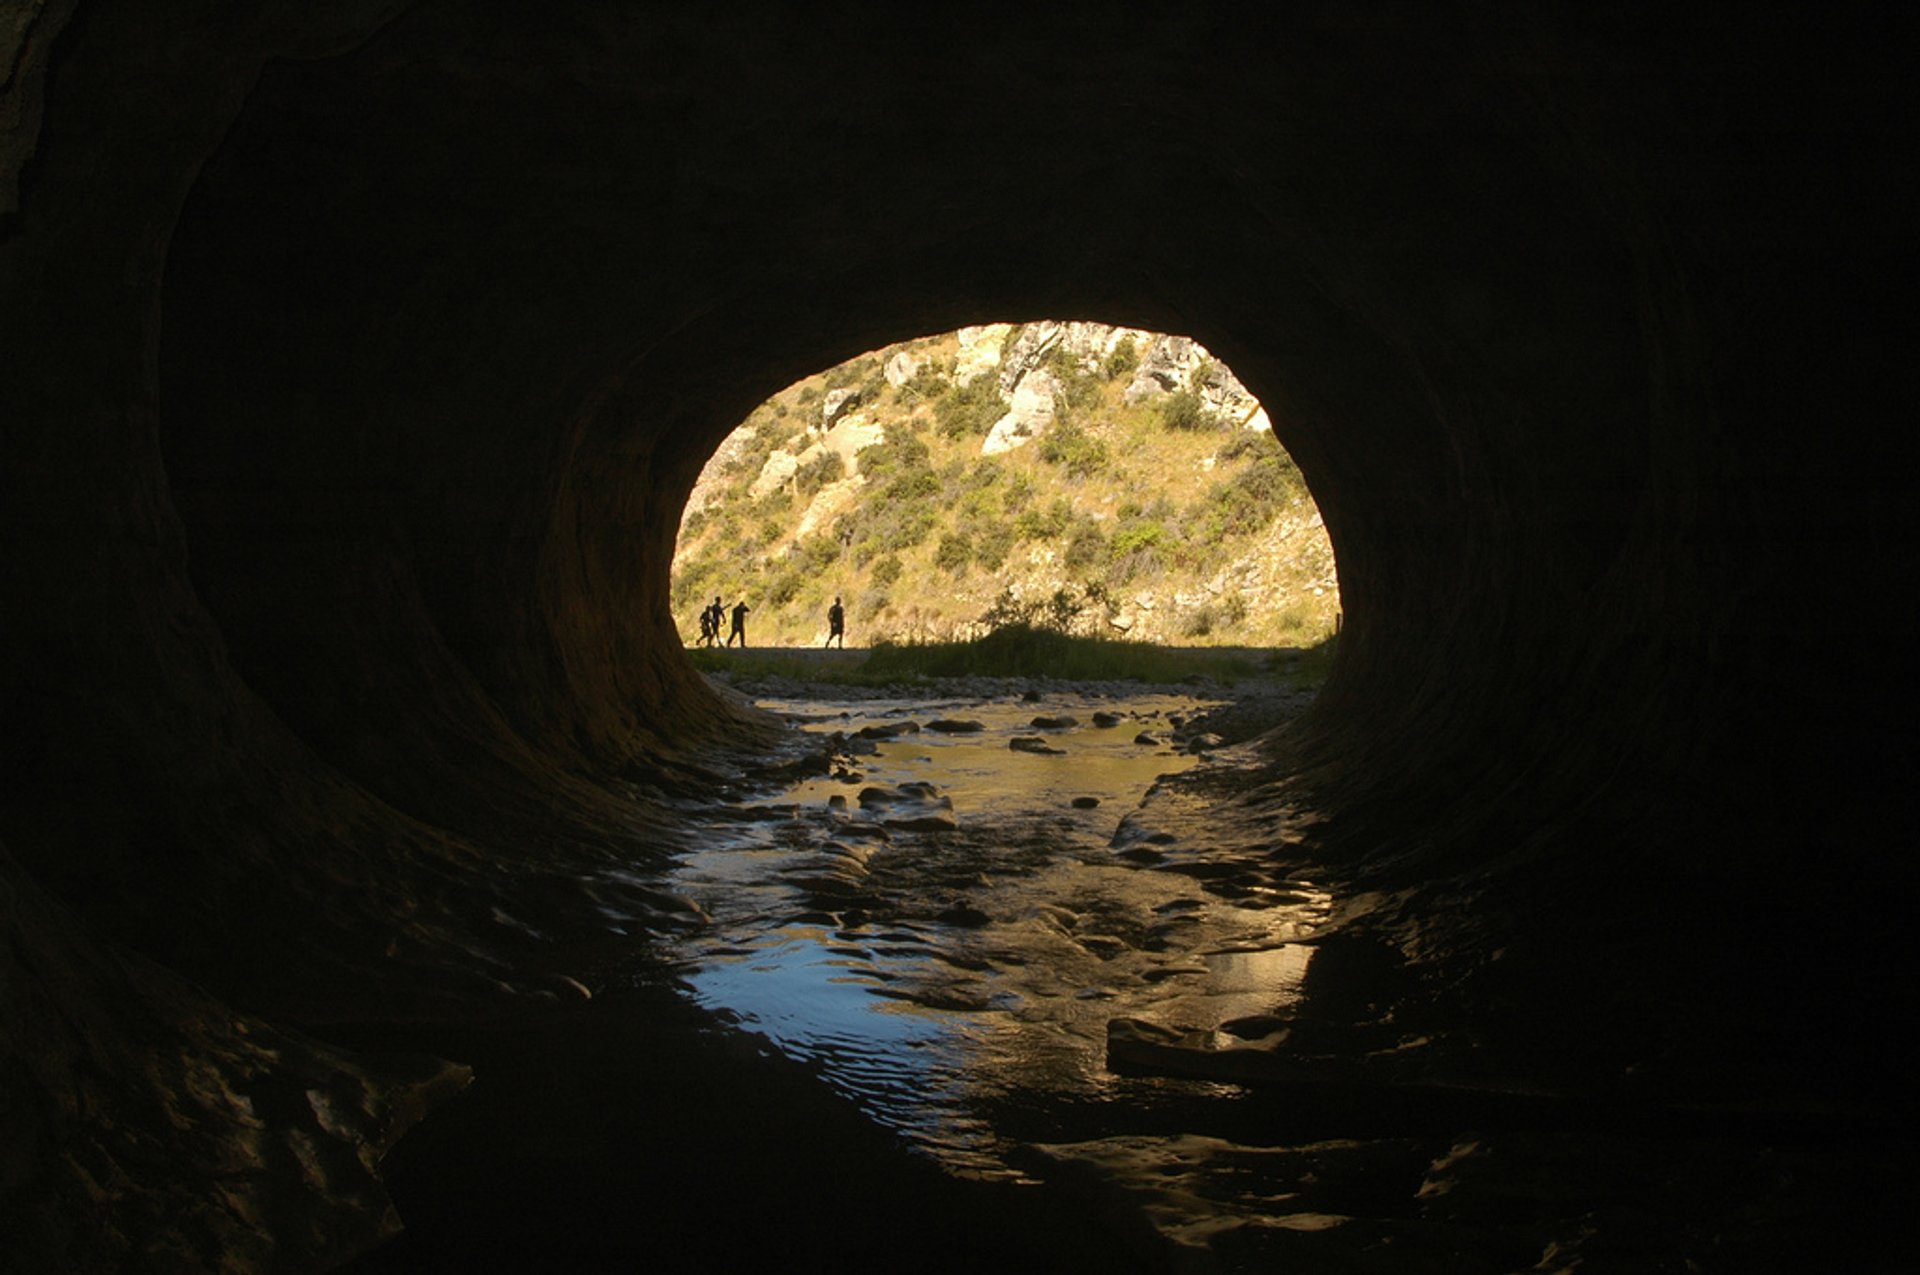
[[836, 624], [739, 624], [714, 615], [706, 626]]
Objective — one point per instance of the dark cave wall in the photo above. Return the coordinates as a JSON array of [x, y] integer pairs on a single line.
[[354, 364]]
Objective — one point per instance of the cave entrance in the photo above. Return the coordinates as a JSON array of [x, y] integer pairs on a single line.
[[970, 879], [1100, 480]]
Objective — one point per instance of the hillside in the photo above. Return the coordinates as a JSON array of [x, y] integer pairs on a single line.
[[1103, 479]]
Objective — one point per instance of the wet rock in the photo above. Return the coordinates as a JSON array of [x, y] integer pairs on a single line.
[[925, 821], [1197, 743], [1085, 803], [1034, 744], [1030, 697], [1064, 721], [889, 730], [1148, 738], [1106, 720], [964, 914], [956, 725], [1142, 855]]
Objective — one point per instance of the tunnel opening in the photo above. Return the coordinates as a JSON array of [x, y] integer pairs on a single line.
[[1091, 478], [359, 365]]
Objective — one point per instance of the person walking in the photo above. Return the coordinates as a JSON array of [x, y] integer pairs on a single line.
[[836, 625], [739, 624], [710, 621]]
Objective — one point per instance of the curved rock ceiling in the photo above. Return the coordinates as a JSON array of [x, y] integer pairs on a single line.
[[358, 359]]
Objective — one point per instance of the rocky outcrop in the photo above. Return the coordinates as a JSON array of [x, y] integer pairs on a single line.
[[1028, 416]]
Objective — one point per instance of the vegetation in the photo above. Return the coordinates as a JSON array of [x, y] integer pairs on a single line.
[[1153, 517]]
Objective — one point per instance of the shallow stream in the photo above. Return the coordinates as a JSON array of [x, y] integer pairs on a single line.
[[945, 924]]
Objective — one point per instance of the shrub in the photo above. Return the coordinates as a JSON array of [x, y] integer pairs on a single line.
[[1044, 524], [1077, 452], [992, 544], [886, 571], [1124, 358], [1185, 410], [955, 553], [970, 409], [825, 468], [1085, 547]]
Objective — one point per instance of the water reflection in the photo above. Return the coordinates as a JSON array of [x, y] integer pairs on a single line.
[[945, 932]]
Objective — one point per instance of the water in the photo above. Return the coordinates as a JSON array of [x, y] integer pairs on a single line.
[[954, 973]]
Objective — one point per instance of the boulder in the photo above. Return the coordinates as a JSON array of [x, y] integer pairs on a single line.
[[836, 404], [1034, 744], [901, 368], [956, 725], [1029, 415]]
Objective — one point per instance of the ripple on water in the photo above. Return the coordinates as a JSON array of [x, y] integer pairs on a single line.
[[971, 956]]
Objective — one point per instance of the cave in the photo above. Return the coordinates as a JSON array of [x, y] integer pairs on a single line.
[[356, 362]]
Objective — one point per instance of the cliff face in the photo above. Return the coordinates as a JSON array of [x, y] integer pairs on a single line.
[[1124, 481], [356, 362]]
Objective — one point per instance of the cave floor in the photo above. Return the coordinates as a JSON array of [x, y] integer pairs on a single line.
[[889, 1041]]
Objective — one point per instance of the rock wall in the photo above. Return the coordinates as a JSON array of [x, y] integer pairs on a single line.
[[356, 361]]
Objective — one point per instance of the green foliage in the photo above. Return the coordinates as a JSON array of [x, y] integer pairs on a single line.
[[1072, 448], [1186, 410], [860, 369], [1085, 547], [992, 542], [1122, 361], [970, 409], [955, 552], [1044, 524], [781, 588], [885, 571], [818, 552], [825, 468]]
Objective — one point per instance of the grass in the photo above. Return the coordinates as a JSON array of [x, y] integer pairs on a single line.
[[1019, 650]]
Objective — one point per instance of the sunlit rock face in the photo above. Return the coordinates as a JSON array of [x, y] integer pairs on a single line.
[[356, 360]]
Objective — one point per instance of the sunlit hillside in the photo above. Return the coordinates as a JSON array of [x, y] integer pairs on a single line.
[[1101, 479]]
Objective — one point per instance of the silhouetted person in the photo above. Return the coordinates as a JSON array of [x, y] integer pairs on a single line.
[[710, 621], [836, 625], [739, 625]]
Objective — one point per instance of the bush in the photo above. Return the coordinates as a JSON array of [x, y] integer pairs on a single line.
[[825, 468], [970, 409], [955, 553], [1185, 410], [992, 544], [886, 571], [1077, 452], [1124, 358], [1085, 548]]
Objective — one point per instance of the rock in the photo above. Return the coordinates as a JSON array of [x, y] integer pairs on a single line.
[[776, 473], [1034, 744], [888, 730], [979, 351], [1106, 721], [1030, 697], [901, 368], [1148, 738], [837, 403], [923, 821], [1085, 803], [1029, 415], [1062, 722], [1022, 357], [955, 725], [964, 914]]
